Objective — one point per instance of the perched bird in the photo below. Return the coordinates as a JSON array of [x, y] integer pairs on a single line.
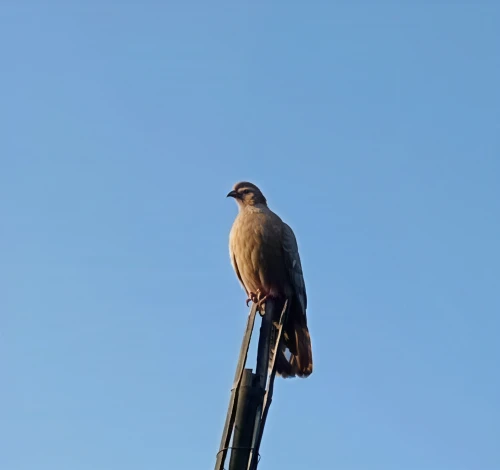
[[265, 257]]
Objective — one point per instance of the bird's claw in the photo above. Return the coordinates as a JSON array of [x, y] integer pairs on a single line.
[[257, 299], [252, 297]]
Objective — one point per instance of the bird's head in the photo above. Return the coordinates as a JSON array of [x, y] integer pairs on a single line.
[[247, 194]]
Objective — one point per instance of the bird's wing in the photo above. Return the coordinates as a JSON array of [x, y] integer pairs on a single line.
[[294, 267], [237, 271]]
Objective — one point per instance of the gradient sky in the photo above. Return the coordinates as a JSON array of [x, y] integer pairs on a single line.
[[373, 130]]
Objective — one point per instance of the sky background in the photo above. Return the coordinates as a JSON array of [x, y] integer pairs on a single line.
[[374, 131]]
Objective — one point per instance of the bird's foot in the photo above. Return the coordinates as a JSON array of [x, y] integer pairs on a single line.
[[258, 299], [251, 297]]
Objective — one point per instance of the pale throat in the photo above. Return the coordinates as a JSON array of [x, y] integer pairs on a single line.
[[257, 208]]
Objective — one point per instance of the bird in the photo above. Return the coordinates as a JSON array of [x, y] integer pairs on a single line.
[[265, 257]]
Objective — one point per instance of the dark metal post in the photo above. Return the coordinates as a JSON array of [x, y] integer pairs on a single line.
[[259, 426], [249, 399], [231, 412], [266, 328], [249, 402]]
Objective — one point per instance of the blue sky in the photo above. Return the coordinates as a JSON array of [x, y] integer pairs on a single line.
[[373, 130]]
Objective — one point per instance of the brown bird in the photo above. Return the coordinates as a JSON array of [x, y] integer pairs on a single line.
[[265, 257]]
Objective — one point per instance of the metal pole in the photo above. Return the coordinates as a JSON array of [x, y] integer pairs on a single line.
[[249, 399], [266, 328], [231, 412], [259, 428], [249, 402]]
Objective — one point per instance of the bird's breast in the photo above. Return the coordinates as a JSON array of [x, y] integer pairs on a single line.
[[255, 244]]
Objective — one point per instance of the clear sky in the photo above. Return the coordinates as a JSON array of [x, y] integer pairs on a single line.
[[373, 130]]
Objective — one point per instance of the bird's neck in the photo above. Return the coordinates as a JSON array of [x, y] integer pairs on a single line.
[[254, 208]]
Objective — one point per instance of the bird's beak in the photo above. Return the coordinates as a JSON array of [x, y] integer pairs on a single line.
[[233, 194]]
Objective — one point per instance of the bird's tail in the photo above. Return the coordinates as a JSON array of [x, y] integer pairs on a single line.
[[294, 357]]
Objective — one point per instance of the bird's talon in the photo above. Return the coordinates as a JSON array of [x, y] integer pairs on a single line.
[[257, 299], [252, 297]]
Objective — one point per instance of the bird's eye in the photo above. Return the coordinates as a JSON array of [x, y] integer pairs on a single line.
[[246, 191]]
